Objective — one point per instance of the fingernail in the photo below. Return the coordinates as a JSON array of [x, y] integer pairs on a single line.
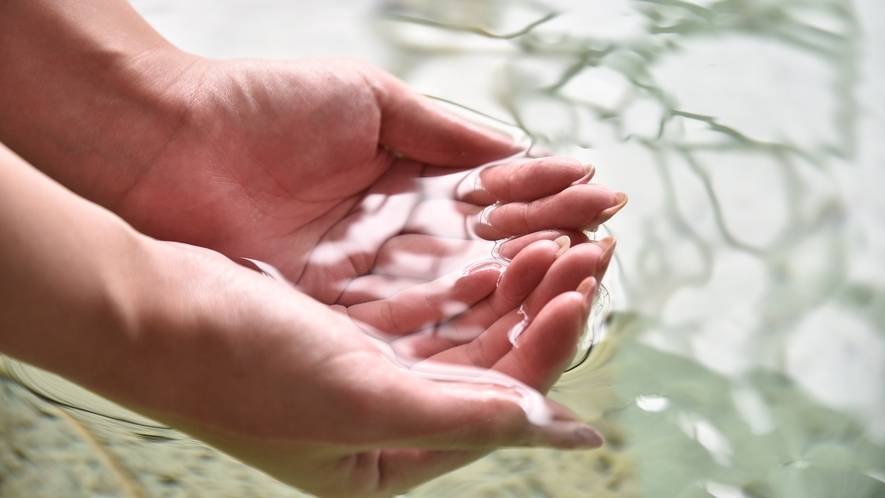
[[607, 213], [587, 287], [608, 247], [479, 224], [564, 242], [569, 436], [620, 202], [587, 437], [607, 244], [589, 171], [486, 213]]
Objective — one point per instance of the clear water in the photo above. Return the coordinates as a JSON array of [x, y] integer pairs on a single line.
[[744, 355]]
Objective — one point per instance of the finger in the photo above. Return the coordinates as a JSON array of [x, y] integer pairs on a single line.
[[402, 469], [517, 282], [426, 305], [484, 410], [566, 274], [508, 249], [608, 247], [529, 181], [575, 208], [608, 213], [569, 270], [544, 350], [417, 128]]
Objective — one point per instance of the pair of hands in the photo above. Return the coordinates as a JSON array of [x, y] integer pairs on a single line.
[[285, 162], [360, 192]]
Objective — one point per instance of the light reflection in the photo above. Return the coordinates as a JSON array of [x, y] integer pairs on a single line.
[[652, 403]]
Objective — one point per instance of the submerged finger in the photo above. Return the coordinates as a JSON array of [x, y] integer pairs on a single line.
[[525, 181], [509, 248], [543, 351], [425, 305], [566, 274], [578, 207], [520, 278]]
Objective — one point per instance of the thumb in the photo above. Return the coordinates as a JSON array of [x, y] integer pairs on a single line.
[[419, 129], [404, 468], [476, 409]]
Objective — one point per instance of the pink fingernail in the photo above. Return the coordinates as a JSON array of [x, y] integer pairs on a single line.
[[606, 244], [620, 202], [564, 242], [587, 437], [588, 287]]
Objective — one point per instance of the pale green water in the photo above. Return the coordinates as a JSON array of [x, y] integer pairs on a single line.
[[746, 353]]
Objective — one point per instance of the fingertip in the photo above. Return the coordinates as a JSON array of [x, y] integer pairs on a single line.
[[420, 128], [564, 242], [589, 173], [568, 436], [588, 288], [620, 200]]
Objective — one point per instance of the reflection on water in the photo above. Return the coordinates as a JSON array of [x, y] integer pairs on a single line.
[[745, 356]]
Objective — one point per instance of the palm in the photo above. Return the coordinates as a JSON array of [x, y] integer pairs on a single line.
[[325, 435]]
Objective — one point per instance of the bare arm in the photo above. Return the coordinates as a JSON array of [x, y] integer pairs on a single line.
[[87, 91]]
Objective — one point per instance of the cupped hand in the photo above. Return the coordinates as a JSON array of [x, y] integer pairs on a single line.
[[296, 389], [304, 165]]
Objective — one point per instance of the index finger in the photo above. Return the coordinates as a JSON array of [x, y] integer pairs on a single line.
[[523, 181]]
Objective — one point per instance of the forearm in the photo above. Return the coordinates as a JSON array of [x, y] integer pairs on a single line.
[[178, 331], [68, 269], [84, 295], [79, 78]]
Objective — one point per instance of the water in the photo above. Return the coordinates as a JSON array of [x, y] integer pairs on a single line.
[[745, 353]]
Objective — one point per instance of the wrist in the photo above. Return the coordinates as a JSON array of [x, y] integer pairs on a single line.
[[89, 99]]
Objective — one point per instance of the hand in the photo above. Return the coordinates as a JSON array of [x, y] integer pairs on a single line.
[[288, 163], [253, 158], [287, 385], [270, 160], [266, 373]]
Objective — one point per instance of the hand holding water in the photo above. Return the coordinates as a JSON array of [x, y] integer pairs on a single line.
[[355, 188]]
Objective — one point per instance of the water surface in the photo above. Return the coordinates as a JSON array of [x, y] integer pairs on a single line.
[[745, 352]]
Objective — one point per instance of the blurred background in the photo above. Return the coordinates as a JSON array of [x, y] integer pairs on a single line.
[[743, 355]]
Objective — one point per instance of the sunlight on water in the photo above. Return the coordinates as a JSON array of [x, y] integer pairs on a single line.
[[744, 354]]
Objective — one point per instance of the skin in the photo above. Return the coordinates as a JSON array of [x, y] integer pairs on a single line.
[[140, 143]]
